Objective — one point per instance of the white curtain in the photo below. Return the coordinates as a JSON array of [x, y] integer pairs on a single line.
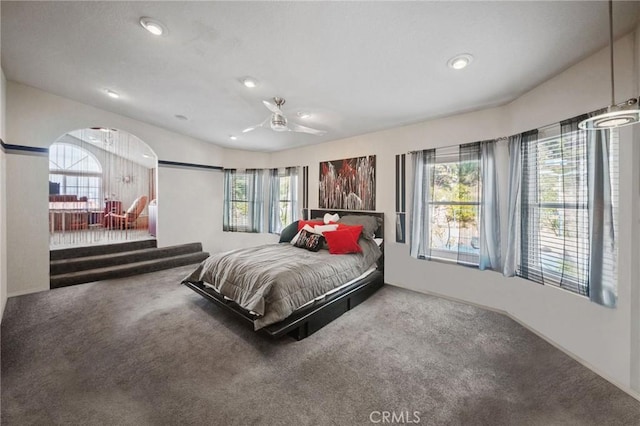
[[490, 252], [511, 258], [602, 239], [419, 236], [283, 198]]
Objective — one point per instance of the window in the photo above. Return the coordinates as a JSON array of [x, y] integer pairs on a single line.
[[561, 204], [243, 201], [446, 205], [454, 205], [77, 172], [283, 198], [239, 202], [558, 203]]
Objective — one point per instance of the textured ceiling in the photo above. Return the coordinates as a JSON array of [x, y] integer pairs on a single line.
[[357, 67]]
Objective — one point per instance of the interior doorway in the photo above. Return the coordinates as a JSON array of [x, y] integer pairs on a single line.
[[102, 188]]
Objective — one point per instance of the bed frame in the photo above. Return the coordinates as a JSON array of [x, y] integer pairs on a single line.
[[304, 322]]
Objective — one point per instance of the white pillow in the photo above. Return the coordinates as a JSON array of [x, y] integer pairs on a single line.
[[328, 218], [319, 229], [309, 228], [295, 238]]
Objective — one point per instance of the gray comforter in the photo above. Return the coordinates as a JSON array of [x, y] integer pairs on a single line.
[[274, 280]]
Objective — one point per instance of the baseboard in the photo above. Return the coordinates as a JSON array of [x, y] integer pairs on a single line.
[[634, 394], [26, 291]]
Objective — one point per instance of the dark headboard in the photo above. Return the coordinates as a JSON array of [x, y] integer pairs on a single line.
[[318, 213]]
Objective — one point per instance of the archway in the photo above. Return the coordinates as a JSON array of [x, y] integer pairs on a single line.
[[102, 188]]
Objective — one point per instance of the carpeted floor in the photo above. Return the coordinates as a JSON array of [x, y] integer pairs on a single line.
[[147, 351]]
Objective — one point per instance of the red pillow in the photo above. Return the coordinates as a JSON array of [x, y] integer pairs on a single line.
[[311, 223], [344, 240]]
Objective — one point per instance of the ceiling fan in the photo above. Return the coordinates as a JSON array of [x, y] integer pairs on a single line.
[[279, 122]]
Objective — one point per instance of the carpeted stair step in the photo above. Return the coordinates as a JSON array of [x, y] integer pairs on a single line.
[[126, 270], [65, 266], [97, 250]]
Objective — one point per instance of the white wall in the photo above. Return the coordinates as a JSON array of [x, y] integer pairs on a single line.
[[27, 223], [37, 118], [600, 337], [3, 203], [635, 254]]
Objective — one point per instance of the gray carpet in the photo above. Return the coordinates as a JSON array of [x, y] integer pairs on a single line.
[[146, 350]]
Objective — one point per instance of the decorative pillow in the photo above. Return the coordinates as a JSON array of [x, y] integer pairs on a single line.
[[370, 223], [306, 228], [309, 241], [321, 229], [312, 223], [330, 218], [290, 231], [344, 240]]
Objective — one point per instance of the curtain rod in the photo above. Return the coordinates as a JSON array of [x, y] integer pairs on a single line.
[[455, 145], [501, 138]]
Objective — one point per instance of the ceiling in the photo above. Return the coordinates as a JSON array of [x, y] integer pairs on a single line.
[[357, 67]]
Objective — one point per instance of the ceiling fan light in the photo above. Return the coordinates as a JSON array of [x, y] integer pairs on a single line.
[[278, 127], [278, 123]]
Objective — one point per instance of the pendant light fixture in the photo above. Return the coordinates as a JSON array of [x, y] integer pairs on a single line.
[[618, 115]]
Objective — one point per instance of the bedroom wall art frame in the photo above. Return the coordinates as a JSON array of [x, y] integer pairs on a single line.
[[348, 184]]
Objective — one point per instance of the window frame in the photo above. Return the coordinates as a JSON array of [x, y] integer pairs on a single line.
[[94, 202], [234, 202], [439, 254], [534, 272], [289, 200]]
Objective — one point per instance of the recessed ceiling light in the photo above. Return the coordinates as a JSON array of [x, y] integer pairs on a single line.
[[249, 82], [112, 94], [146, 155], [303, 114], [154, 27], [461, 61], [233, 138], [181, 117]]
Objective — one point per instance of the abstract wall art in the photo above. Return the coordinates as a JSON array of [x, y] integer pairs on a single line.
[[348, 184]]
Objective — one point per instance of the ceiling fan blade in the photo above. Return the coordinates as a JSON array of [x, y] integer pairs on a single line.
[[271, 107], [293, 127], [252, 128]]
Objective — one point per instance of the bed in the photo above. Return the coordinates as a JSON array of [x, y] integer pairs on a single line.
[[282, 290]]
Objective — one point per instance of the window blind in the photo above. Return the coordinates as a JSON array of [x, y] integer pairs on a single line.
[[555, 208]]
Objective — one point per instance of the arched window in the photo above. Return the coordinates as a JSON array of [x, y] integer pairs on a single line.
[[75, 171]]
